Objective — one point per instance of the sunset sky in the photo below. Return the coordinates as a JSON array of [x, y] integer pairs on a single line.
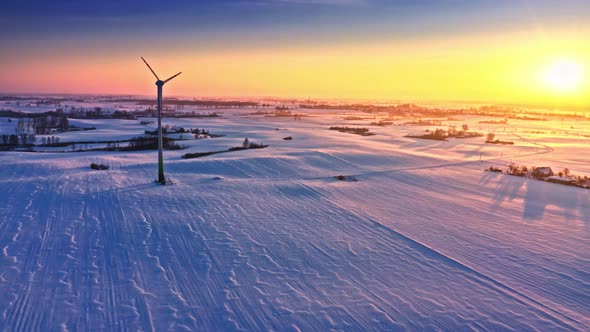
[[517, 51]]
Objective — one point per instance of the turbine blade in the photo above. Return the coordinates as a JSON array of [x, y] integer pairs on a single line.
[[153, 72], [172, 77]]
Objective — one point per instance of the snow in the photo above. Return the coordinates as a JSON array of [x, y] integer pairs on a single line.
[[269, 240]]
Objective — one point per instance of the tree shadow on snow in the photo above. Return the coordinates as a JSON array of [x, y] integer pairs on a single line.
[[508, 187], [572, 202], [535, 201], [488, 176], [468, 153]]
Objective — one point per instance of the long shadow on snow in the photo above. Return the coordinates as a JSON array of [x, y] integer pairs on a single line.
[[507, 189], [573, 202], [539, 194], [488, 176]]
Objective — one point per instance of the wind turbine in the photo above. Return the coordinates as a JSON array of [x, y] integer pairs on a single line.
[[160, 84]]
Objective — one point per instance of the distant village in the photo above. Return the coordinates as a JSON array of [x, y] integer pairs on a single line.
[[546, 173]]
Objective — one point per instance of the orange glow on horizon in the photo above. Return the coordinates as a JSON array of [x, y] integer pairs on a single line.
[[493, 71]]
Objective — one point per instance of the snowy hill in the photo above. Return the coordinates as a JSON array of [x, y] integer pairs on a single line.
[[268, 239]]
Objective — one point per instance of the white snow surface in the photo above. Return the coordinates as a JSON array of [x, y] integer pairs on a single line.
[[268, 239]]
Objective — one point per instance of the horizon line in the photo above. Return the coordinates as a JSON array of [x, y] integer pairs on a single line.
[[349, 100]]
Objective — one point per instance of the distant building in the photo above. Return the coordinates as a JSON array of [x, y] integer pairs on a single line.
[[542, 172], [564, 180]]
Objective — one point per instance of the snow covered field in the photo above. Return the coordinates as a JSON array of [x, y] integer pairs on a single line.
[[269, 240]]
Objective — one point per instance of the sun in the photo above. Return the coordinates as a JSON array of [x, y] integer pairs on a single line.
[[563, 76]]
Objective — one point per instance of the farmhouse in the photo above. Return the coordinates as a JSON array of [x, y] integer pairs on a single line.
[[542, 172]]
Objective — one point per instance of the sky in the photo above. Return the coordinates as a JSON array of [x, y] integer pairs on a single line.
[[517, 51]]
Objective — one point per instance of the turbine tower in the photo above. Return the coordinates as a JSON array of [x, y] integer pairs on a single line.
[[160, 84]]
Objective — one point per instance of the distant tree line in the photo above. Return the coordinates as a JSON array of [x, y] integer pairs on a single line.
[[26, 140], [352, 130], [44, 124], [38, 123], [99, 113], [16, 140], [149, 143], [207, 103], [246, 145]]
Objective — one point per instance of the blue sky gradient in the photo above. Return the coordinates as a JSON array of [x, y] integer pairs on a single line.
[[256, 21]]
